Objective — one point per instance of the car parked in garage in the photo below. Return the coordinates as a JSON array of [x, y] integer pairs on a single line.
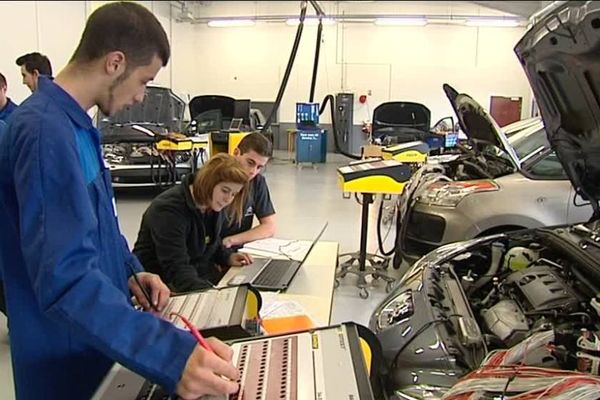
[[128, 140], [516, 315], [496, 185]]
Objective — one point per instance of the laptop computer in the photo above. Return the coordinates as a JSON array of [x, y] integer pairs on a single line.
[[272, 274], [235, 125]]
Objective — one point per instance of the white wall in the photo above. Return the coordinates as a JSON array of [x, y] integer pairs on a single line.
[[392, 63], [53, 28], [50, 27]]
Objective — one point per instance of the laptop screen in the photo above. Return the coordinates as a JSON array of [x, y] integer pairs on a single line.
[[236, 124], [315, 242]]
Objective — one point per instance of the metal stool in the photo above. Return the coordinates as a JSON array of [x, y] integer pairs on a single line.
[[357, 263]]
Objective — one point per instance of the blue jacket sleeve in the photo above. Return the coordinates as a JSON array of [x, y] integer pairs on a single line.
[[57, 227], [131, 259]]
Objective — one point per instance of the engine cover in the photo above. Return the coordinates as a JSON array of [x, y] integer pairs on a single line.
[[506, 320], [539, 288]]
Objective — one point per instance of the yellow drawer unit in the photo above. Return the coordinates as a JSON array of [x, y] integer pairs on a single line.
[[411, 152], [381, 176]]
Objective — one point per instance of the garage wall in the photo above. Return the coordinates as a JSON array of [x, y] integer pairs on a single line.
[[390, 63], [51, 27], [54, 29]]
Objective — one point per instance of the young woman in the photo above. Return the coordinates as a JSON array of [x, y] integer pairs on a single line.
[[180, 238]]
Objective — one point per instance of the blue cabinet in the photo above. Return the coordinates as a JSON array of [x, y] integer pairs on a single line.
[[311, 146]]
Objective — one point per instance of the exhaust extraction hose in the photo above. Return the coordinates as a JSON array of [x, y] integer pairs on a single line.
[[288, 70]]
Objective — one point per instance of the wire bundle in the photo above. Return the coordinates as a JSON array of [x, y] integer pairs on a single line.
[[505, 369]]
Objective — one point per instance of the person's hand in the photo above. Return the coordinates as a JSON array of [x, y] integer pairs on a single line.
[[208, 373], [237, 259], [228, 242], [159, 292]]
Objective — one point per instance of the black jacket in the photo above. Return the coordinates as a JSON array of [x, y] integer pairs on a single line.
[[179, 242]]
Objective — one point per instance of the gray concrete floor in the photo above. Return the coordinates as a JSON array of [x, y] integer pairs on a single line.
[[304, 199]]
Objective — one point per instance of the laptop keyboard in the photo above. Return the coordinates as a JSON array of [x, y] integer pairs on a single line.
[[271, 275]]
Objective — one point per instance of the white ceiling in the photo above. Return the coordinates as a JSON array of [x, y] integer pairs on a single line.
[[207, 9], [520, 8]]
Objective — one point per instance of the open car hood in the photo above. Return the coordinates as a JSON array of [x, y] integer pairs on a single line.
[[201, 104], [478, 124], [161, 108], [401, 114], [561, 57], [129, 134]]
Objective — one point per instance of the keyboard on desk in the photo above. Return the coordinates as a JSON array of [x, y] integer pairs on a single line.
[[273, 272]]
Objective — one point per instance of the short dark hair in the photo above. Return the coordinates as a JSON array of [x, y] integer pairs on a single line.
[[257, 142], [126, 27], [3, 80], [33, 61]]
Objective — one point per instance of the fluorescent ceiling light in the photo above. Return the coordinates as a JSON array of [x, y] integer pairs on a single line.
[[309, 21], [493, 22], [446, 21], [399, 21], [223, 23]]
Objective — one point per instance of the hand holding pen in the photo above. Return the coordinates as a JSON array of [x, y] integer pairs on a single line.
[[149, 290]]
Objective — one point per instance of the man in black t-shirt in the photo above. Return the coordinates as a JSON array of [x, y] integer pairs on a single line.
[[253, 152]]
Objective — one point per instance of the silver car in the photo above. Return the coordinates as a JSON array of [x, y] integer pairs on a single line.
[[505, 185]]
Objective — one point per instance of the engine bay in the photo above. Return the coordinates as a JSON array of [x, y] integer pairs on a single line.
[[477, 162], [133, 153], [518, 286], [523, 305]]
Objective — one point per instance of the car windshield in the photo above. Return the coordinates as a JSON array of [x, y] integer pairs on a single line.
[[529, 142]]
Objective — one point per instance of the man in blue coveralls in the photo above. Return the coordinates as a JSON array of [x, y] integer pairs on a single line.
[[67, 269]]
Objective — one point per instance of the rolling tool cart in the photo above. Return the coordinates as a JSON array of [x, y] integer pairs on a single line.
[[369, 178]]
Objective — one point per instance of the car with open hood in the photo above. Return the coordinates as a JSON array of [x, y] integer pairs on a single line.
[[518, 313], [490, 185], [129, 137], [213, 114], [396, 122]]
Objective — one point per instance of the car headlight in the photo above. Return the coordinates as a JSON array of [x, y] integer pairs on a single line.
[[421, 392], [395, 311], [449, 194]]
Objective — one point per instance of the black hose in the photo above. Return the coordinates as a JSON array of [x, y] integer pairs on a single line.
[[379, 238], [288, 70], [329, 98], [313, 83]]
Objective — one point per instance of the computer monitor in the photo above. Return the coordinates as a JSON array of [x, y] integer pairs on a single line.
[[241, 109]]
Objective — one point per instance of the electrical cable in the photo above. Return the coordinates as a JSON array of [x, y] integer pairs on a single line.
[[379, 236], [313, 82]]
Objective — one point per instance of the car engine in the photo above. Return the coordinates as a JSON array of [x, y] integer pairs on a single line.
[[529, 300], [471, 164], [518, 288], [124, 153], [526, 296]]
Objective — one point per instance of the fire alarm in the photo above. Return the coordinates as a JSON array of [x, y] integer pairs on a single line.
[[362, 99]]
